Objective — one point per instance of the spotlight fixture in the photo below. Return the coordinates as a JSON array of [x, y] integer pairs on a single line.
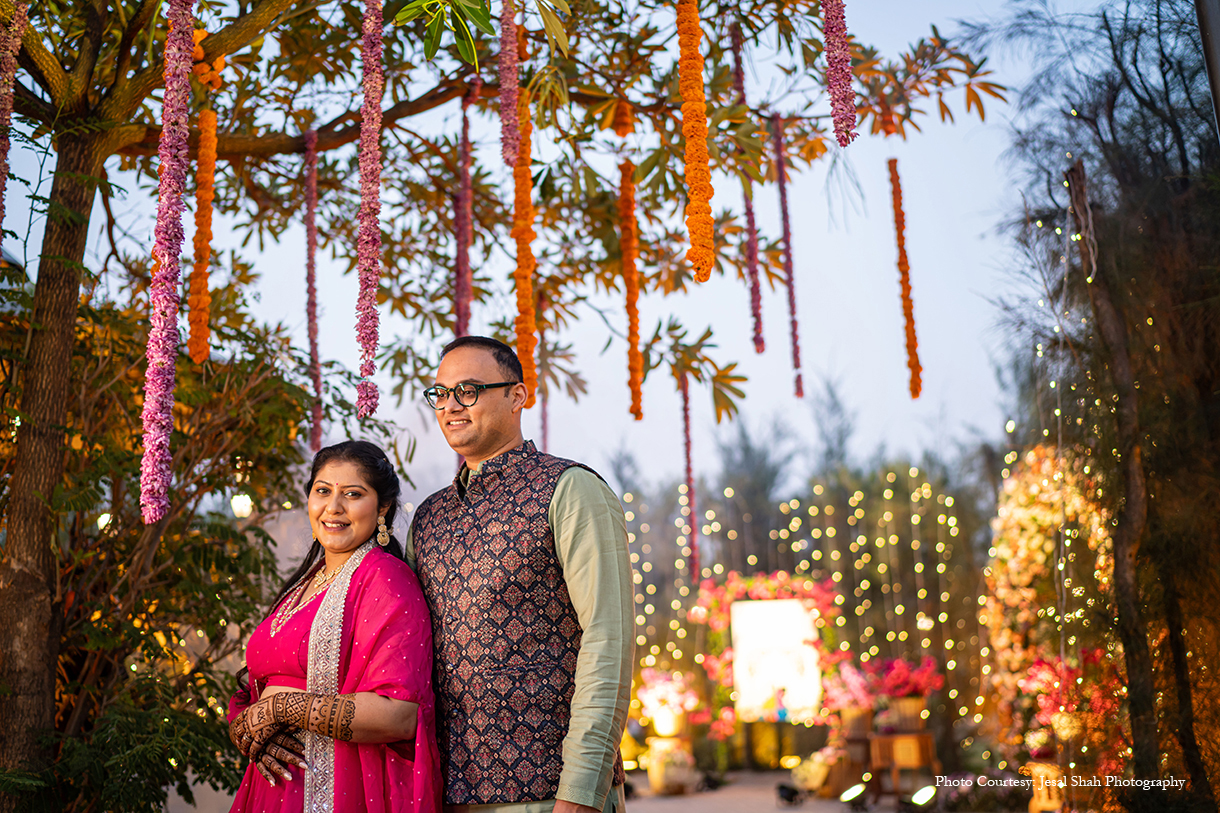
[[921, 800], [788, 795], [854, 797]]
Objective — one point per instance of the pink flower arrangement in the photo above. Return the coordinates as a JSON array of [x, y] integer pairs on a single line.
[[157, 415], [897, 677], [510, 133], [716, 600], [720, 669], [665, 691], [739, 84], [368, 239], [838, 71], [781, 172], [847, 688], [311, 288], [724, 725], [463, 221], [10, 44], [1049, 682]]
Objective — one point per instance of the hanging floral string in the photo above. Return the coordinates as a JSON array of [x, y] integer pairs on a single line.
[[162, 353], [699, 224], [311, 287], [904, 273], [368, 240], [739, 84], [523, 233], [543, 391], [781, 171], [510, 127], [693, 559], [199, 301], [629, 241], [623, 122], [10, 44], [463, 287], [838, 71]]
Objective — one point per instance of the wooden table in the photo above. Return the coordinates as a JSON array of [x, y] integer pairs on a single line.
[[899, 752]]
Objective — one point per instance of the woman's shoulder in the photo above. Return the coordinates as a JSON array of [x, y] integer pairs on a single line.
[[381, 565]]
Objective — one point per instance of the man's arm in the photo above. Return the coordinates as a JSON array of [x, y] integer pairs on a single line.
[[591, 541]]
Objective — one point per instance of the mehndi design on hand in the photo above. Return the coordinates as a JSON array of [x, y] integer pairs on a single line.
[[326, 714]]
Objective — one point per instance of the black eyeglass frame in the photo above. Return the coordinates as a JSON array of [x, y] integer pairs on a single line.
[[432, 393]]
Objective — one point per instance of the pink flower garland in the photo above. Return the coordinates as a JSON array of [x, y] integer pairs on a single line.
[[464, 221], [693, 559], [838, 71], [739, 83], [781, 171], [10, 44], [368, 240], [510, 137], [162, 350], [311, 301]]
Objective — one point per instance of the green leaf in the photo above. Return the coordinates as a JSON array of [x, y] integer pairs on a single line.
[[553, 28], [432, 40], [479, 13], [465, 42], [562, 5], [410, 12]]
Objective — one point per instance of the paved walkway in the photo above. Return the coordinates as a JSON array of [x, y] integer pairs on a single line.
[[745, 793]]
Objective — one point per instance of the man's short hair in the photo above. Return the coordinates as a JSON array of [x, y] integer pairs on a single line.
[[507, 360]]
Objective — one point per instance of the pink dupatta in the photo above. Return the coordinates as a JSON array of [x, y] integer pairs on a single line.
[[373, 633]]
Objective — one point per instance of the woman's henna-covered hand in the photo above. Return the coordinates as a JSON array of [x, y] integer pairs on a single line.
[[326, 714], [281, 751]]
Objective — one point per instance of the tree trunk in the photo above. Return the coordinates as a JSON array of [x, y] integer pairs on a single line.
[[29, 606], [1191, 755], [1132, 513]]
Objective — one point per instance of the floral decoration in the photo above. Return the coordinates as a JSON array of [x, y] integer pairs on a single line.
[[665, 691], [715, 600], [739, 84], [200, 299], [898, 677], [162, 353], [311, 287], [847, 687], [693, 563], [523, 233], [629, 241], [463, 287], [699, 224], [781, 172], [904, 272], [510, 131], [838, 71], [368, 239]]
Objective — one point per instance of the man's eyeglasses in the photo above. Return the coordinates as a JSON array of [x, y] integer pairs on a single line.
[[466, 394]]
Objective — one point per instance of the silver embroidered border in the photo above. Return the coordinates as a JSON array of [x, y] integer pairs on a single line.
[[322, 677]]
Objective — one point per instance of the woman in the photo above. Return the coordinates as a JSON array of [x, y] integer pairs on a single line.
[[339, 712]]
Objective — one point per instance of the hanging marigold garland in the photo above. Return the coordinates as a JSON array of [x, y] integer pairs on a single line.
[[699, 224], [838, 71], [10, 44], [623, 122], [629, 241], [523, 233], [463, 288], [173, 152], [368, 240], [739, 84], [200, 299], [693, 517], [543, 399], [781, 171], [904, 273], [311, 287], [510, 126]]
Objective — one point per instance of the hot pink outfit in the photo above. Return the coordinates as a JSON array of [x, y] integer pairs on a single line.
[[386, 648]]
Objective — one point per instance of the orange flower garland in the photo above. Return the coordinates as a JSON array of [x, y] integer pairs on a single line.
[[623, 122], [523, 233], [630, 243], [694, 129], [904, 272], [199, 301]]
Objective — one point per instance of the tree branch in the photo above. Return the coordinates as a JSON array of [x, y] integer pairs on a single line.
[[124, 54], [233, 37], [81, 77], [41, 63], [27, 103]]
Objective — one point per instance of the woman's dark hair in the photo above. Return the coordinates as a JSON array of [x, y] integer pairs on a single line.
[[378, 471]]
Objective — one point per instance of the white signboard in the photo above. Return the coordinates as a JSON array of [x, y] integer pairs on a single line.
[[775, 668]]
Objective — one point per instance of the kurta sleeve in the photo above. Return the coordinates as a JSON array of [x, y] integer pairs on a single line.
[[591, 542]]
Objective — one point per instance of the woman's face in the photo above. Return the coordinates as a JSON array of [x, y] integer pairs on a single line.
[[343, 508]]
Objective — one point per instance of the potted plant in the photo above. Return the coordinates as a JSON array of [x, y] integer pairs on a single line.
[[907, 686]]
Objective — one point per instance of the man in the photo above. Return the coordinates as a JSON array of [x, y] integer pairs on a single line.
[[524, 563]]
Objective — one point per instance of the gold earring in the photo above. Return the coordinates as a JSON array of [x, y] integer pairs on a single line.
[[383, 534]]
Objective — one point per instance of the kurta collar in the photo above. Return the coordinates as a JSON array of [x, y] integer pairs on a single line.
[[464, 478]]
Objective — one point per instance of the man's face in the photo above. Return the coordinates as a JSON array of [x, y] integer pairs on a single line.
[[480, 431]]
